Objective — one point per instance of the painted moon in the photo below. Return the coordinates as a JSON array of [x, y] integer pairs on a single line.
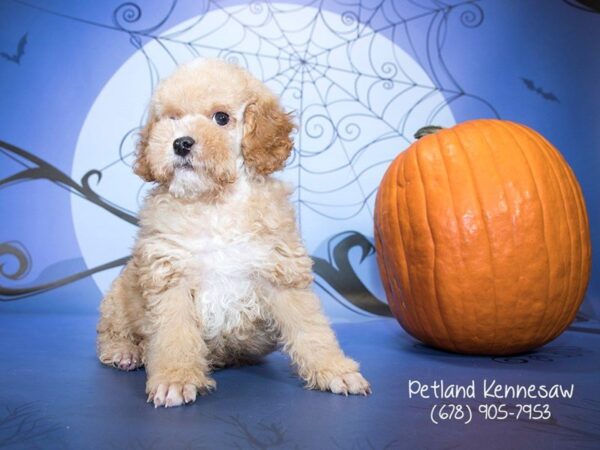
[[357, 96]]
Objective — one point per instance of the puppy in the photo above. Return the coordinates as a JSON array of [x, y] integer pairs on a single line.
[[219, 275]]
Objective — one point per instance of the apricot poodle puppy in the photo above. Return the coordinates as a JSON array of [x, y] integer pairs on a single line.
[[219, 275]]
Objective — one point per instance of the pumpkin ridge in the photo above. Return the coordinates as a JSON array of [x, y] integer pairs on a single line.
[[564, 312], [582, 225], [543, 210], [565, 307], [435, 255], [382, 266], [383, 229], [404, 268], [393, 179], [492, 147], [419, 312], [485, 225], [585, 244], [462, 259], [581, 245]]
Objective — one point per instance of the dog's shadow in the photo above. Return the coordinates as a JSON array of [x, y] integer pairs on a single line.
[[273, 371], [273, 368]]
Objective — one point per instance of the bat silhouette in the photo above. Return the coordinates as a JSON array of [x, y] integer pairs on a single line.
[[16, 58], [530, 84]]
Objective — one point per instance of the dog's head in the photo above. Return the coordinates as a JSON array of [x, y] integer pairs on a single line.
[[208, 122]]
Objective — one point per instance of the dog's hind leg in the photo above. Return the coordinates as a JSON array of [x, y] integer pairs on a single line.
[[118, 343]]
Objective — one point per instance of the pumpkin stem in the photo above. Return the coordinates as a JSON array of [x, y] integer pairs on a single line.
[[429, 129]]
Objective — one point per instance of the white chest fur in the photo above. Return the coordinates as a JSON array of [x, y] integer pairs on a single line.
[[226, 287], [226, 257]]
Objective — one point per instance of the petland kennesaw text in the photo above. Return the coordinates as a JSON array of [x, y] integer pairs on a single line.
[[439, 389]]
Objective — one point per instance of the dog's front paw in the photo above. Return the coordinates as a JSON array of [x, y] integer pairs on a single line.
[[176, 394], [340, 377], [349, 383]]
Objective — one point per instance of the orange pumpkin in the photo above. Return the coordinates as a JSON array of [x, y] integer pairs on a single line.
[[482, 239]]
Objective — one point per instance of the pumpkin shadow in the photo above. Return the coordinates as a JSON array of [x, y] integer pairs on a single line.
[[549, 358]]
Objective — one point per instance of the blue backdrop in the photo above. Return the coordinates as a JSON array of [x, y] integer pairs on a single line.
[[361, 76]]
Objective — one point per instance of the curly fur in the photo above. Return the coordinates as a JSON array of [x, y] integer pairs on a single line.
[[219, 275], [267, 143]]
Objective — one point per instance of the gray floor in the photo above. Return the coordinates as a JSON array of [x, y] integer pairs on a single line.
[[54, 394]]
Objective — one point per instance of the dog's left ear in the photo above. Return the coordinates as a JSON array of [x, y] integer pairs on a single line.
[[141, 167], [266, 144]]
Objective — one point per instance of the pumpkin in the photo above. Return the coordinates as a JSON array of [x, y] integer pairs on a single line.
[[482, 239]]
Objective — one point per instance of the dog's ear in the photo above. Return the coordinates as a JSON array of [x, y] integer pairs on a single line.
[[141, 167], [266, 144]]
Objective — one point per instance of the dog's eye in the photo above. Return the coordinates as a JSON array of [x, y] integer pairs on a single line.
[[221, 118], [173, 118]]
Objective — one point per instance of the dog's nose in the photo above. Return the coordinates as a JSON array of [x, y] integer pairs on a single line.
[[183, 145]]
